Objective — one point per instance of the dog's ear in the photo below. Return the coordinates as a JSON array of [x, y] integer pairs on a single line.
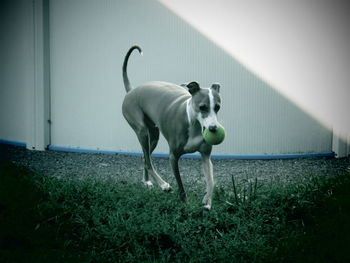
[[216, 87], [193, 87]]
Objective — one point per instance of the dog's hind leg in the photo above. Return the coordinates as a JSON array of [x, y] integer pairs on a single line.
[[147, 141], [154, 137], [153, 132], [136, 119], [148, 135], [143, 136]]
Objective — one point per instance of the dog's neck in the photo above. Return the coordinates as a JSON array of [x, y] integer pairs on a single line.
[[191, 115]]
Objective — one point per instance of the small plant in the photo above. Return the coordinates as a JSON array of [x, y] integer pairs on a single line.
[[248, 192]]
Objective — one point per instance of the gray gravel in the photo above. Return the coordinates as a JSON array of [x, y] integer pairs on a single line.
[[130, 168]]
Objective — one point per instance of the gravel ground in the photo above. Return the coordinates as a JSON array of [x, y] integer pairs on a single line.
[[130, 168]]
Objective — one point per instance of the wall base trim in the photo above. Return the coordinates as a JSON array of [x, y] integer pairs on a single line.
[[197, 156], [14, 143], [186, 156]]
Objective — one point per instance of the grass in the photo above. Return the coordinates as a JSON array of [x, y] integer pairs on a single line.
[[46, 219]]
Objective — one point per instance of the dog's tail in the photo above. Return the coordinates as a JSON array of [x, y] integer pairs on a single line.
[[125, 64]]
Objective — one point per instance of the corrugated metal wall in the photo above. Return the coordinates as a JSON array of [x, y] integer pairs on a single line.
[[88, 42], [16, 69]]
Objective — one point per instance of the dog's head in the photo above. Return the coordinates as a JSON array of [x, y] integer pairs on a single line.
[[206, 103]]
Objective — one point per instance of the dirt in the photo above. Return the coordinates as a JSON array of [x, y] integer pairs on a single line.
[[130, 168]]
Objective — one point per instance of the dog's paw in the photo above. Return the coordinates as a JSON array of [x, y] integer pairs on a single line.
[[166, 187], [149, 184], [207, 207], [206, 203]]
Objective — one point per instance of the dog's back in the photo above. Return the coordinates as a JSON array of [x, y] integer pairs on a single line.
[[158, 100]]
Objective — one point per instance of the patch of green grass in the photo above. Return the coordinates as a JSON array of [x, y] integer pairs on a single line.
[[92, 220], [26, 234]]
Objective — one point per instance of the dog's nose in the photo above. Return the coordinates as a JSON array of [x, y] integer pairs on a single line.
[[212, 128]]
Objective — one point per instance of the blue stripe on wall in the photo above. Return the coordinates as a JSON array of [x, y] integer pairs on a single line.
[[190, 156], [197, 156], [14, 143]]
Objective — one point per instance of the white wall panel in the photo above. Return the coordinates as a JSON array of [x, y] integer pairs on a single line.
[[89, 40], [16, 69]]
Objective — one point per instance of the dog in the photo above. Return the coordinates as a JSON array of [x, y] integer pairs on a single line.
[[181, 115]]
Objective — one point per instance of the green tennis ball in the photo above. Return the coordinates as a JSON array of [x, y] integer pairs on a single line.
[[214, 138]]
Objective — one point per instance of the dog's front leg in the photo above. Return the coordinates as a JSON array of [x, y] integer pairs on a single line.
[[208, 173], [174, 161]]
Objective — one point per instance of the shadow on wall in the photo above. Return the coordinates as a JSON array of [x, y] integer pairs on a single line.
[[88, 45], [257, 118]]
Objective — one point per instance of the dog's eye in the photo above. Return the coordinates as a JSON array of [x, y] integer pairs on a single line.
[[203, 108], [217, 108]]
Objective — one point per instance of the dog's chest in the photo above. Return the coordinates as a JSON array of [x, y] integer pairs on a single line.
[[195, 139]]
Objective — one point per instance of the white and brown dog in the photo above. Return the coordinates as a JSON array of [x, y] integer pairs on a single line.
[[181, 115]]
